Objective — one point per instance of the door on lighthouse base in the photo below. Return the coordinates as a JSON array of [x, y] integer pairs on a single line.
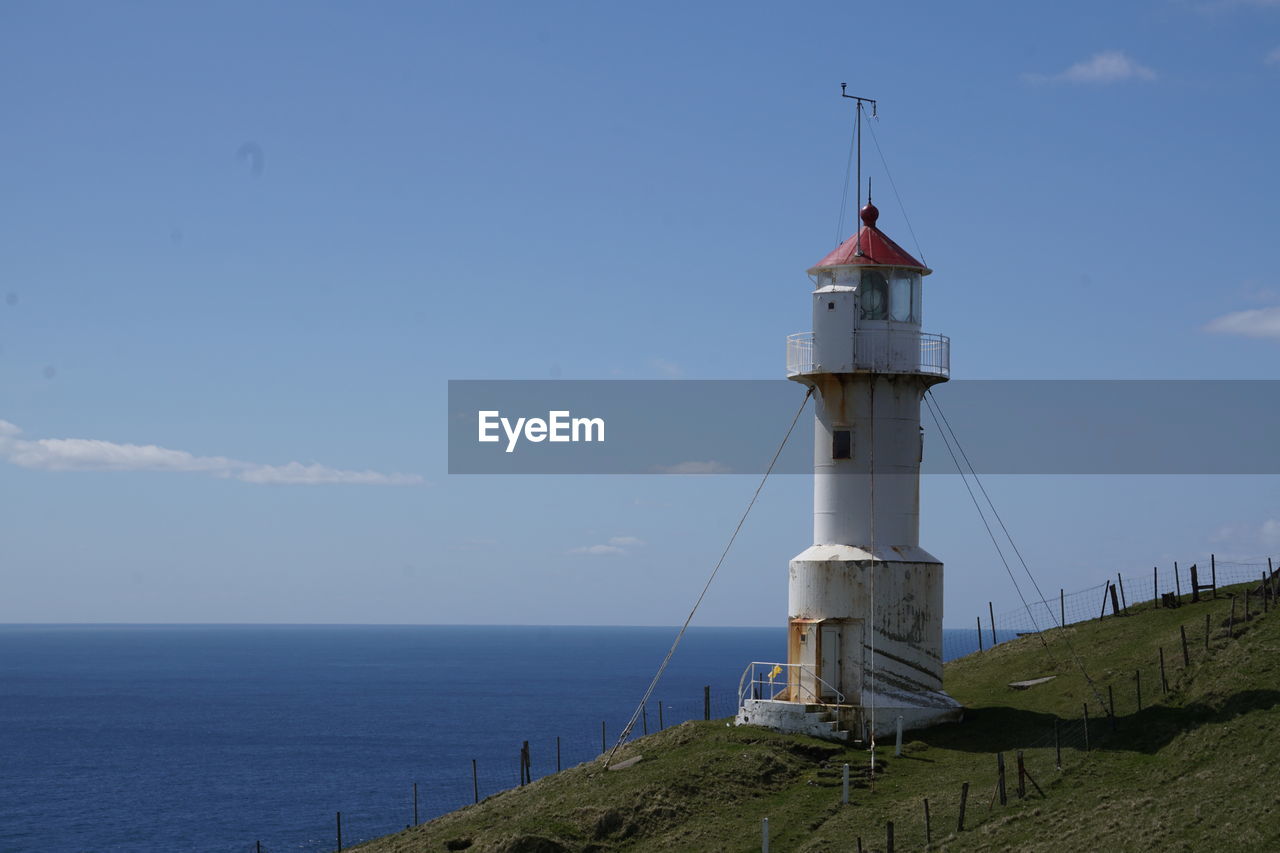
[[840, 660], [829, 647]]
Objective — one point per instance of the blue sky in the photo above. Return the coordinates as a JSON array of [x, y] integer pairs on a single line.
[[261, 238]]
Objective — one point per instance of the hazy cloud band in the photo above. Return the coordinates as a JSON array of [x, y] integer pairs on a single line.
[[89, 454]]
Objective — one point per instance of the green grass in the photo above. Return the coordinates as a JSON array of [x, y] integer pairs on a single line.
[[1188, 772]]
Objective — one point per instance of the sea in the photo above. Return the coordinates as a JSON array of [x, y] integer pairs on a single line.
[[248, 737]]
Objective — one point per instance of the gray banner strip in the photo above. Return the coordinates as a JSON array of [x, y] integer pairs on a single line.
[[734, 426]]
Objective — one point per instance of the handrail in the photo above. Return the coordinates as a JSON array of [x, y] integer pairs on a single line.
[[785, 683], [877, 351]]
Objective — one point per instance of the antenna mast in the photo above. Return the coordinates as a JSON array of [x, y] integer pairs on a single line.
[[858, 139]]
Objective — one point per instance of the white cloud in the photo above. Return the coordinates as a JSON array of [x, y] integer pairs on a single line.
[[89, 454], [617, 545], [692, 467], [297, 474], [1270, 532], [1254, 323], [597, 549], [1266, 535], [1273, 58], [667, 368], [1110, 66]]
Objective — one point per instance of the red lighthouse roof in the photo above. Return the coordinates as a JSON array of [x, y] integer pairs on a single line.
[[870, 247]]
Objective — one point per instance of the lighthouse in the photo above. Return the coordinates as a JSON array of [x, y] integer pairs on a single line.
[[864, 601]]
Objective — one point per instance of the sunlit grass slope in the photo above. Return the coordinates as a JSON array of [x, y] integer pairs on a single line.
[[1197, 768]]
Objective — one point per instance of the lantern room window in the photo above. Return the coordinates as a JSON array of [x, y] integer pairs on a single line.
[[902, 296], [890, 295], [875, 295]]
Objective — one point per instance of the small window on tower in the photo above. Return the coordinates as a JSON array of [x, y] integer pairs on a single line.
[[831, 306], [841, 444]]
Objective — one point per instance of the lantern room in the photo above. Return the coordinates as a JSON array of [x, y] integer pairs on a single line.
[[867, 311]]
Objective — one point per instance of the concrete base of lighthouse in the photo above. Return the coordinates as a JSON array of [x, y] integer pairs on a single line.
[[864, 634]]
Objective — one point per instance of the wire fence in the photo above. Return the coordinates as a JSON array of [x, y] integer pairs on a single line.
[[1094, 602], [1065, 743], [471, 782], [1030, 763]]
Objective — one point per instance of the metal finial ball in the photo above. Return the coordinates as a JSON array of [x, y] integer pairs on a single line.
[[869, 214]]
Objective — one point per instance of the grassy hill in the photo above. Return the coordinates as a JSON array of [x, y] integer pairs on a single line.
[[1190, 771]]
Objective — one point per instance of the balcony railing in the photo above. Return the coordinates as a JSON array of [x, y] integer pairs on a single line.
[[873, 351], [786, 682]]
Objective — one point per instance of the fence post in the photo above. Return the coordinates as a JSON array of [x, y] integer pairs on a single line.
[[339, 831], [415, 803], [644, 717], [991, 611], [1155, 586], [1246, 604], [1111, 700], [844, 786], [1062, 607], [897, 749], [1022, 778], [1186, 655], [1105, 590], [557, 753], [1115, 602], [888, 832], [964, 799], [1000, 778], [979, 633], [1213, 574], [475, 782], [1206, 632], [1086, 726], [706, 702], [764, 835], [1195, 584], [1177, 582], [928, 830], [1164, 682], [1123, 601], [1137, 681]]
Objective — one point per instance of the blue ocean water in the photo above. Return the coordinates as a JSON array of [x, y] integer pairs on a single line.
[[213, 738]]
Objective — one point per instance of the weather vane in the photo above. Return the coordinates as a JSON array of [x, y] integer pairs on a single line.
[[859, 101]]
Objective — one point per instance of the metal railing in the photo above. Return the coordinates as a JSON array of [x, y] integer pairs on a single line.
[[776, 680], [876, 351], [800, 353]]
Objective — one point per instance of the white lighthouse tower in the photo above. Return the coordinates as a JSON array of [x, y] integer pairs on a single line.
[[864, 638]]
